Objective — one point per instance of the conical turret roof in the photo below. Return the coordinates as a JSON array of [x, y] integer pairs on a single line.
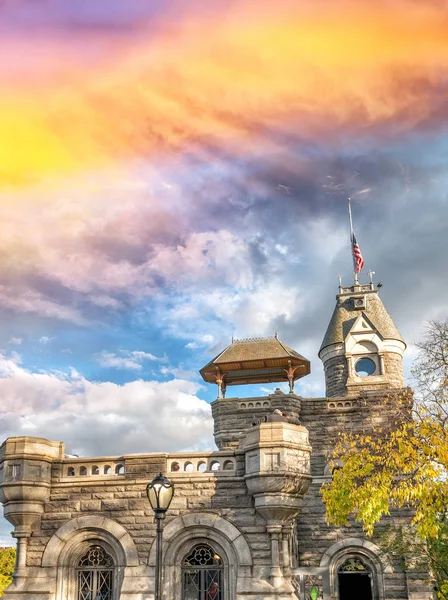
[[346, 312]]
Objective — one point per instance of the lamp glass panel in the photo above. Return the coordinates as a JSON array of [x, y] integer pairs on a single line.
[[152, 497], [165, 496]]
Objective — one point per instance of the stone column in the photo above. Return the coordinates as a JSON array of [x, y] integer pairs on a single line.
[[349, 365], [275, 532], [382, 369], [286, 556], [22, 548]]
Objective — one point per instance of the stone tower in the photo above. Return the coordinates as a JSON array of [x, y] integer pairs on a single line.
[[362, 348]]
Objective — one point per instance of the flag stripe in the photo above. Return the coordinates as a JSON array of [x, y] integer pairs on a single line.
[[357, 256]]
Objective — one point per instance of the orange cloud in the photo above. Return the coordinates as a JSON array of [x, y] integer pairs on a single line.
[[235, 81]]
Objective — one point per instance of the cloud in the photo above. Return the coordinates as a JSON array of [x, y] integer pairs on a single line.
[[15, 340], [45, 339], [100, 418], [125, 360], [222, 80]]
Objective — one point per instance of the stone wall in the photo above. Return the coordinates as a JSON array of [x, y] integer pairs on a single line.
[[336, 375], [223, 506], [233, 416]]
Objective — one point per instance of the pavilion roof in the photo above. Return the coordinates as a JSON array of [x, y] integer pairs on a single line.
[[255, 360]]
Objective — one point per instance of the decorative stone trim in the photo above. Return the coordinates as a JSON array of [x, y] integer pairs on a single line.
[[340, 404], [216, 526], [90, 523], [253, 404], [334, 557], [357, 543]]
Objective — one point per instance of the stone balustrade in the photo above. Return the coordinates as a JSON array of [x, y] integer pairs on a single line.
[[101, 467], [201, 462], [177, 463]]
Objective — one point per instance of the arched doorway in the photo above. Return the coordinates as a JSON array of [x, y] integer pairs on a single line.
[[95, 575], [354, 580], [202, 574]]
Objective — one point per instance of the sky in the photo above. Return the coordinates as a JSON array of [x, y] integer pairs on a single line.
[[175, 174]]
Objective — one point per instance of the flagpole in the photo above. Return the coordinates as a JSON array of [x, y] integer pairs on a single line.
[[355, 273]]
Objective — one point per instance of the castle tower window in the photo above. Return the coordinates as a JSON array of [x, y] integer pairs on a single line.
[[365, 367], [95, 575], [202, 574], [354, 580]]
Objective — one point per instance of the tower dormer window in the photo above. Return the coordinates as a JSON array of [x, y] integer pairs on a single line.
[[365, 367]]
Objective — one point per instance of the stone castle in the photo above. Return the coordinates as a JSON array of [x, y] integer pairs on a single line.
[[247, 521]]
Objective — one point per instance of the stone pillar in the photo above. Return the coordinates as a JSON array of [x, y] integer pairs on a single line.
[[286, 537], [22, 535], [382, 370], [349, 365], [275, 531]]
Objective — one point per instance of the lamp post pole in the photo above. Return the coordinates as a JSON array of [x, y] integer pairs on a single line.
[[160, 492], [159, 529]]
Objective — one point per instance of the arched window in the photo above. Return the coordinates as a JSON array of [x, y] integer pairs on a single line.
[[95, 575], [202, 574], [354, 580]]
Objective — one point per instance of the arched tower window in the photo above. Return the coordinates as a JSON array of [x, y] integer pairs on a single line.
[[202, 574], [354, 580], [95, 575]]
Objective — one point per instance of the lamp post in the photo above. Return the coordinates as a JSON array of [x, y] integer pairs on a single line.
[[160, 492]]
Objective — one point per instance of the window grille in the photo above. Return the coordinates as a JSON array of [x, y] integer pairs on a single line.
[[95, 575], [353, 565], [202, 576]]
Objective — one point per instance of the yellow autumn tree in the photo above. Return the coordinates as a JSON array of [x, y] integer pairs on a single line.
[[7, 560], [405, 463]]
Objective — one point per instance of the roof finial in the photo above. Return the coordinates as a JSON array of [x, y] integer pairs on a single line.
[[276, 335], [371, 274], [233, 339]]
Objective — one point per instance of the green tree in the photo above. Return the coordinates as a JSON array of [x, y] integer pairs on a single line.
[[403, 463], [7, 561]]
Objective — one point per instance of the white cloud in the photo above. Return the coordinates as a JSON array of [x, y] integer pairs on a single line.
[[33, 302], [125, 360], [102, 417], [15, 340], [200, 341], [45, 340]]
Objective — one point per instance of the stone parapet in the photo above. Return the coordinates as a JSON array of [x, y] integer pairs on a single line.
[[233, 416]]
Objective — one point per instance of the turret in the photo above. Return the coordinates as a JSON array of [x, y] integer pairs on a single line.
[[362, 348]]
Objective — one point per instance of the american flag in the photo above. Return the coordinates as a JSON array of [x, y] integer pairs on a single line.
[[357, 256]]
